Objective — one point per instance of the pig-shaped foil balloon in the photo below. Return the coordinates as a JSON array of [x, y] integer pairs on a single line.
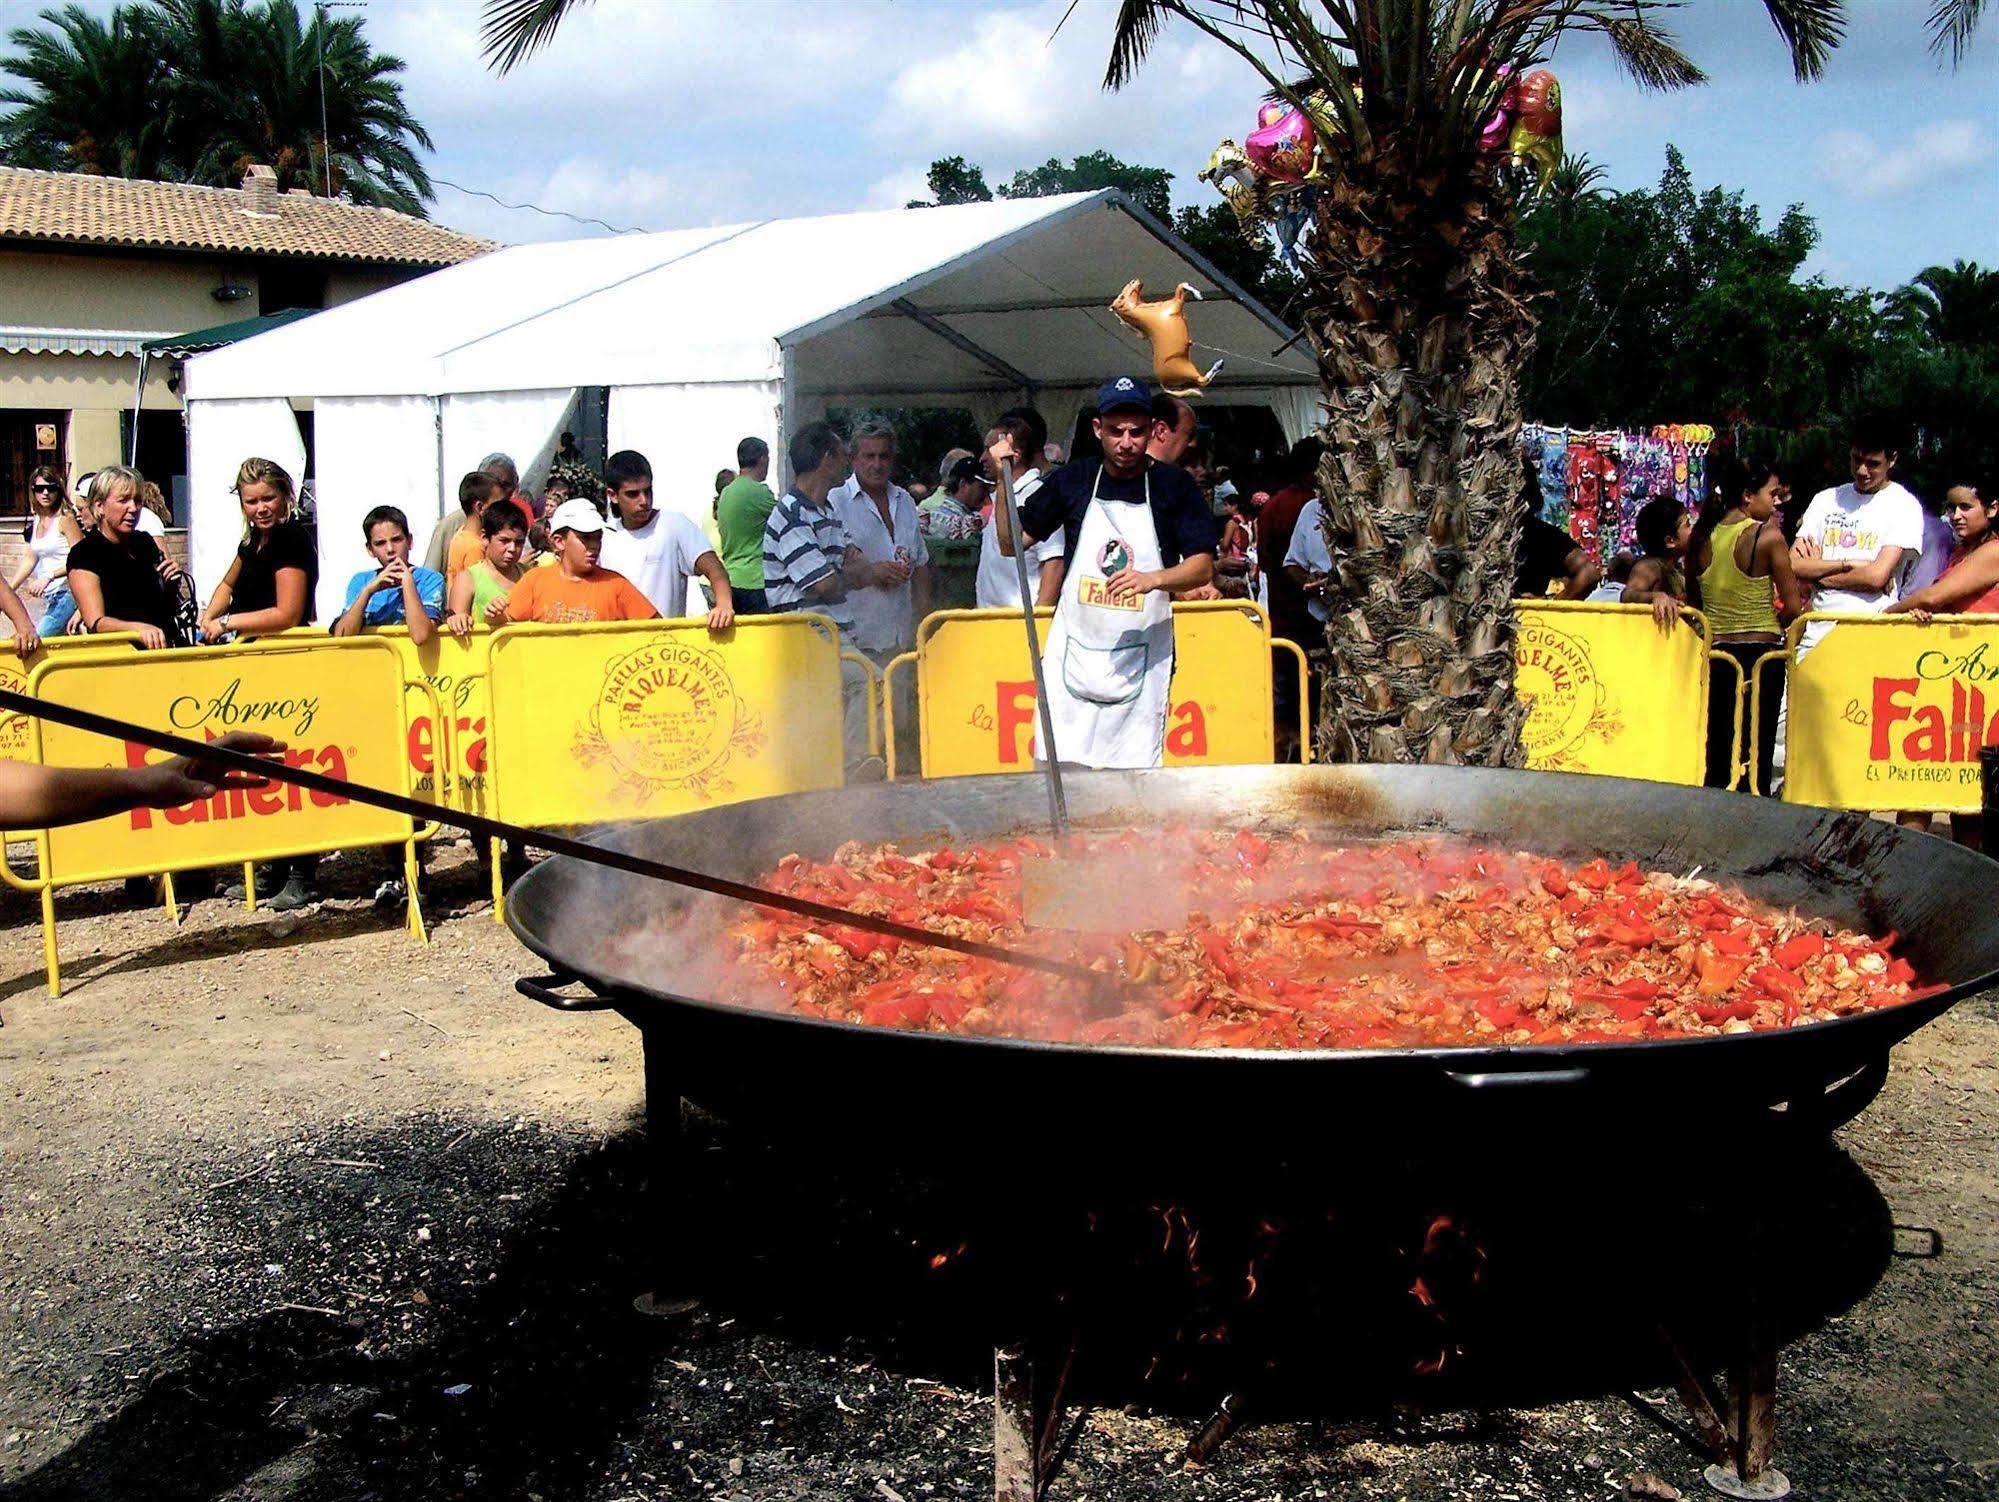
[[1537, 126], [1283, 143]]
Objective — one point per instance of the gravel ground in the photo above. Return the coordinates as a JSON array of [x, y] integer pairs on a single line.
[[304, 1210]]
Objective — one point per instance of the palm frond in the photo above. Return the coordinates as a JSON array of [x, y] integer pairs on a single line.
[[1811, 29], [1137, 28], [1645, 51], [512, 31], [1951, 25]]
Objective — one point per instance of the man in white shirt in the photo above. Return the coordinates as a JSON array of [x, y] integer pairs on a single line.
[[879, 517], [1858, 542], [659, 551], [998, 584], [1310, 561]]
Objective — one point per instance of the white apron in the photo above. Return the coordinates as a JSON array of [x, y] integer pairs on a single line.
[[1108, 663]]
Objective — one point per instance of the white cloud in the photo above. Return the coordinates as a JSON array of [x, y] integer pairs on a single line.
[[898, 188], [625, 197], [1864, 165], [636, 66], [1015, 91]]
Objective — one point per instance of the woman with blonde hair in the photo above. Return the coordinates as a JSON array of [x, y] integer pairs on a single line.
[[269, 588], [270, 582], [121, 579], [51, 531]]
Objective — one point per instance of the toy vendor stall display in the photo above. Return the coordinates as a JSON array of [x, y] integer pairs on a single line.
[[1594, 483]]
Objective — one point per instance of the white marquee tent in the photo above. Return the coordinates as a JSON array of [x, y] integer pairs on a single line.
[[703, 337]]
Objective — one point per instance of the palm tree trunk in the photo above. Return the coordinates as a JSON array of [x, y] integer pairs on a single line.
[[1417, 307]]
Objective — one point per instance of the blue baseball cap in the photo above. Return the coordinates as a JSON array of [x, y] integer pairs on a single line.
[[1123, 394]]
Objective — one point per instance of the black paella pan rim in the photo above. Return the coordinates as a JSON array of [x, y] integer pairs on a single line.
[[1845, 867]]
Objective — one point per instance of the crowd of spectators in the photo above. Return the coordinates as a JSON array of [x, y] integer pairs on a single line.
[[848, 540]]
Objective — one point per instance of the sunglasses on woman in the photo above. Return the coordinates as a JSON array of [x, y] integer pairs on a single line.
[[49, 489]]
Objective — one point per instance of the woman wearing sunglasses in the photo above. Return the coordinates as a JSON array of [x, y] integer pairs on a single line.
[[43, 577]]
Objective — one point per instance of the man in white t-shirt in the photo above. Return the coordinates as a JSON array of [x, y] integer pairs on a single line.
[[1858, 542], [1310, 561], [659, 551], [998, 583], [879, 517]]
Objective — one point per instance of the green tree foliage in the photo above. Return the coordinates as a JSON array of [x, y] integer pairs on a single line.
[[952, 180], [197, 90], [86, 96], [1955, 304], [1679, 305], [1148, 187], [1252, 264]]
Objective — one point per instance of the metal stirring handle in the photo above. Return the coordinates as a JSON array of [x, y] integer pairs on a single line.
[[1058, 804]]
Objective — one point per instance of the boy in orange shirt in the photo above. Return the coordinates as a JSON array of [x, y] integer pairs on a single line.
[[576, 589], [468, 543]]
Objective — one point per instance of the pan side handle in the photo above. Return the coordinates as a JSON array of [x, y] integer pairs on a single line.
[[546, 989]]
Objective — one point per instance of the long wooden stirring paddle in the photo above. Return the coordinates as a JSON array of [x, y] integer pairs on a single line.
[[556, 844]]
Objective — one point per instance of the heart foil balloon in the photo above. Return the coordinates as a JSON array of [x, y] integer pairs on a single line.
[[1282, 149]]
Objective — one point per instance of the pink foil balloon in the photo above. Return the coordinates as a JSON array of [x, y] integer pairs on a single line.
[[1501, 124], [1281, 149]]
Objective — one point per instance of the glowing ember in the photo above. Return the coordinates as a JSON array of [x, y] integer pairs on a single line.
[[1304, 943]]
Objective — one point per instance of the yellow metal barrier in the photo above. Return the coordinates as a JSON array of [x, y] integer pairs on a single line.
[[338, 705], [876, 698], [908, 660], [1284, 643], [16, 738], [1889, 714], [447, 753], [1755, 697], [1739, 768], [975, 689], [641, 719], [1612, 693]]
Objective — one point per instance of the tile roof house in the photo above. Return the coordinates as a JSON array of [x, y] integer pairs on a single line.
[[93, 267], [253, 220]]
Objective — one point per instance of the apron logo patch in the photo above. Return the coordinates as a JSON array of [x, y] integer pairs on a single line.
[[1112, 556]]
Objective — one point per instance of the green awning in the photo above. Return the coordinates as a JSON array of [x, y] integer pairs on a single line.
[[179, 346]]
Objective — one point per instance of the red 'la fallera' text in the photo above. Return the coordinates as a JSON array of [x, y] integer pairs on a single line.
[[1186, 729], [1930, 736], [239, 803]]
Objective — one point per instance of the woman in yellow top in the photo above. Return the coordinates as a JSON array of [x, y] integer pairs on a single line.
[[1745, 587], [479, 590]]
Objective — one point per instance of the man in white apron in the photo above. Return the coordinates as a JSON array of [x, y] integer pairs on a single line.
[[1136, 532]]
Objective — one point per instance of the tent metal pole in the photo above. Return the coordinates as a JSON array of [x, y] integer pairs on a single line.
[[437, 426], [138, 406], [960, 343], [1041, 305]]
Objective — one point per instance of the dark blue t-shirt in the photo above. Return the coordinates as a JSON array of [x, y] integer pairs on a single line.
[[1180, 512]]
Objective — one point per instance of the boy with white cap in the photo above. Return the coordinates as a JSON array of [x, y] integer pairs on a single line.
[[576, 589]]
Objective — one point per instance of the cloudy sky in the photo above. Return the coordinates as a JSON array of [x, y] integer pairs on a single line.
[[662, 113], [659, 114]]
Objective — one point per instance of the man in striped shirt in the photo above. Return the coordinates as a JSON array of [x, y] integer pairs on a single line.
[[806, 554], [809, 565]]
